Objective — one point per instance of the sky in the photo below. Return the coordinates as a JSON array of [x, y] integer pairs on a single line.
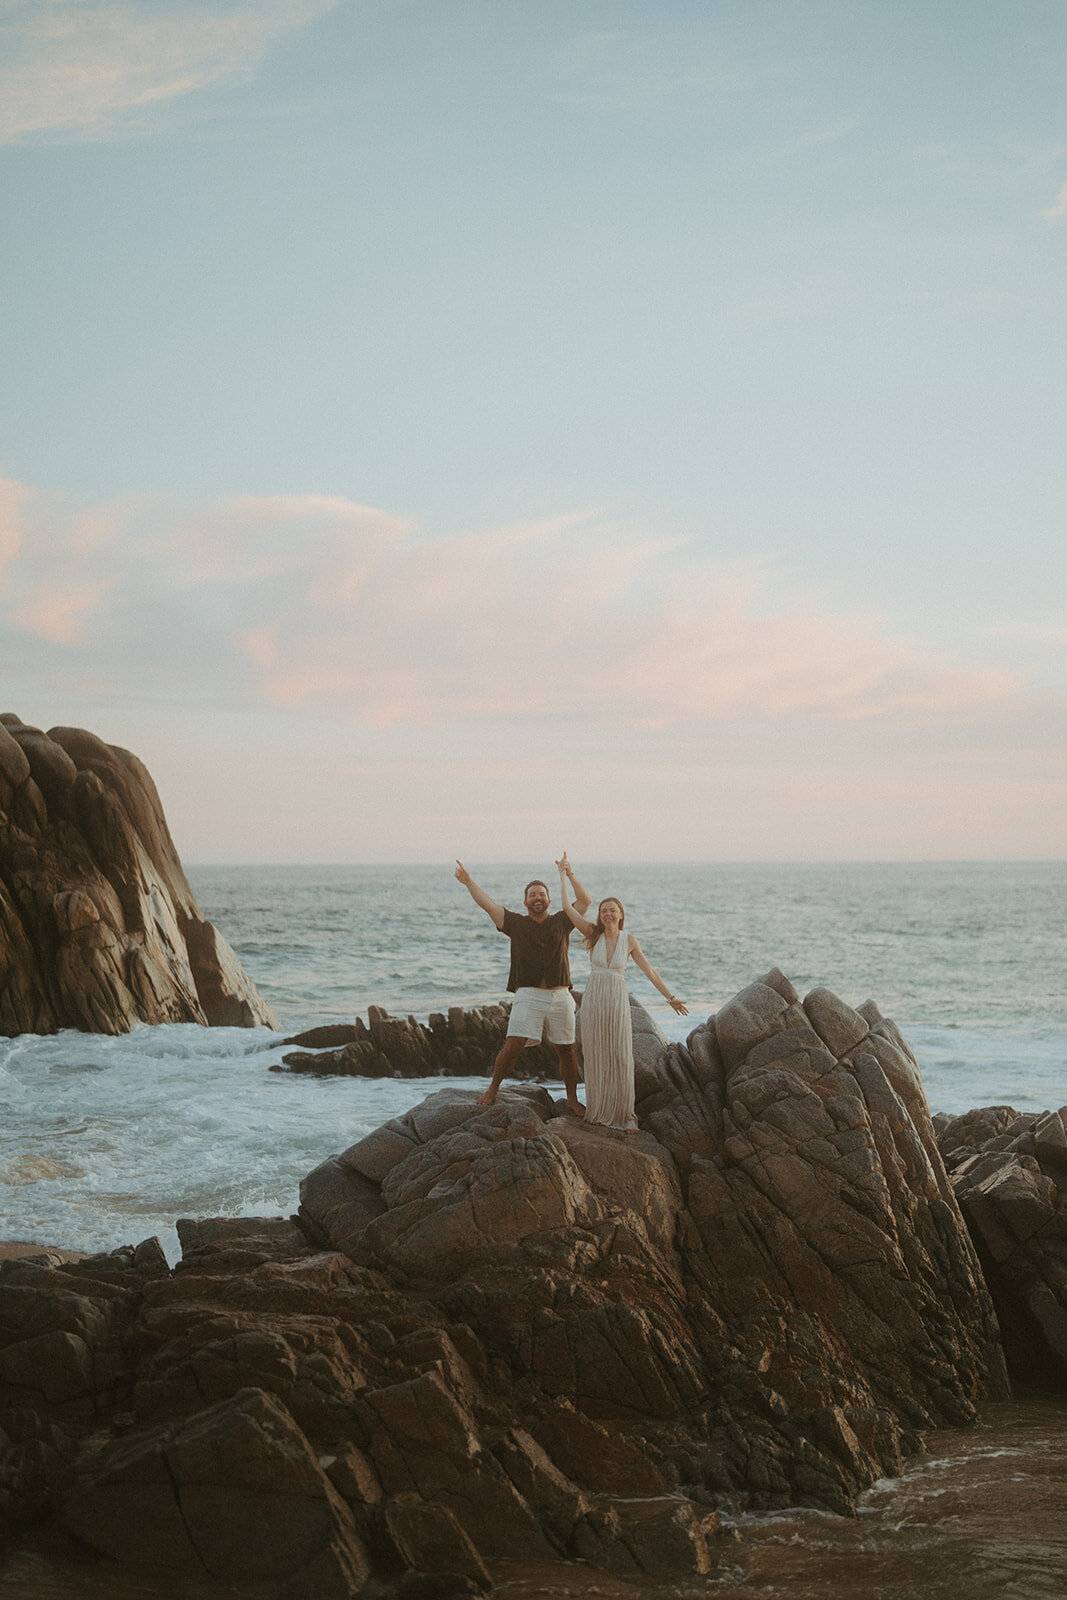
[[439, 428]]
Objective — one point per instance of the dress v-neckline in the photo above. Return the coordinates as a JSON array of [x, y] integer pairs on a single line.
[[608, 959]]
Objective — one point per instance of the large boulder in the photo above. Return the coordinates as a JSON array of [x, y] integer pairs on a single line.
[[99, 928], [1009, 1174], [235, 1494]]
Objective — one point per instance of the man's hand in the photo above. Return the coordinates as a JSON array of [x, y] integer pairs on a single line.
[[563, 864], [479, 896]]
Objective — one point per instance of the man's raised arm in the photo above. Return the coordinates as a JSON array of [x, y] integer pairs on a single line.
[[479, 896]]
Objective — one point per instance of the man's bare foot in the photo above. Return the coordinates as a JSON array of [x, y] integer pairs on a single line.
[[487, 1098], [575, 1106]]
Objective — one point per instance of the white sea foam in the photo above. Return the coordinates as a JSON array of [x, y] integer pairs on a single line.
[[108, 1141]]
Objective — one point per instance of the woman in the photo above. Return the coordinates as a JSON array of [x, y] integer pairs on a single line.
[[607, 1037]]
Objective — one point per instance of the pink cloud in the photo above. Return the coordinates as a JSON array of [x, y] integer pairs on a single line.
[[80, 65], [62, 615], [12, 497], [320, 603]]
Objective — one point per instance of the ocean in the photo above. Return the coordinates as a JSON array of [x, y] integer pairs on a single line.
[[106, 1141]]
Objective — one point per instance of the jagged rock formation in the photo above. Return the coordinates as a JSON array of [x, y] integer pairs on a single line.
[[498, 1333], [1009, 1173], [99, 928], [460, 1044]]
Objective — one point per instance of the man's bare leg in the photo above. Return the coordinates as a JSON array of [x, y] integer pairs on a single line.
[[568, 1067], [503, 1064]]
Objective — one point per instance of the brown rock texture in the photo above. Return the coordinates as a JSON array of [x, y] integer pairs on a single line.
[[1009, 1174], [460, 1044], [770, 1285], [99, 928], [496, 1333]]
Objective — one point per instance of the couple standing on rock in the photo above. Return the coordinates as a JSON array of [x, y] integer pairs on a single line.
[[540, 979]]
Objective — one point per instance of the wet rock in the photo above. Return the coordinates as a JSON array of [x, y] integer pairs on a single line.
[[606, 1463], [459, 1044], [332, 1036], [353, 1476], [423, 1441], [668, 1537], [1009, 1174], [427, 1538], [253, 1239], [236, 1494], [99, 928]]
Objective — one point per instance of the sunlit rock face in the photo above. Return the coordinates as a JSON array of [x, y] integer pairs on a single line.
[[99, 928]]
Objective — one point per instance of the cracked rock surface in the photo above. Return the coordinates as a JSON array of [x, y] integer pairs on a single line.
[[495, 1333], [99, 928], [1009, 1173]]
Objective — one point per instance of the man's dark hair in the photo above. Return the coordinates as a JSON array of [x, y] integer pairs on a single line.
[[539, 884]]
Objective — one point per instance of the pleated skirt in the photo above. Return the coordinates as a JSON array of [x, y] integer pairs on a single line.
[[608, 1051]]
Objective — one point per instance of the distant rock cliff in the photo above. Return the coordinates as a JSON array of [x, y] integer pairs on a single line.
[[99, 928]]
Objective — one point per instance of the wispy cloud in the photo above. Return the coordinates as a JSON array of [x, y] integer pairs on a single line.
[[61, 615], [1059, 205], [320, 603], [13, 498], [80, 67]]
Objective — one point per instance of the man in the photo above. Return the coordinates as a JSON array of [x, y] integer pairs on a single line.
[[540, 978]]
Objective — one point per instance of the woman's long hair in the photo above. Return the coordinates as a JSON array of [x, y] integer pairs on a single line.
[[599, 929]]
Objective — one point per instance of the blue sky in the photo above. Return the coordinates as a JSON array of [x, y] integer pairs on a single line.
[[472, 428]]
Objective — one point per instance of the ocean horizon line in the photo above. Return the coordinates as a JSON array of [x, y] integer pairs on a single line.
[[666, 861]]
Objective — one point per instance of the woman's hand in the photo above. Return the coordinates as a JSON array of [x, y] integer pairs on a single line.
[[679, 1006]]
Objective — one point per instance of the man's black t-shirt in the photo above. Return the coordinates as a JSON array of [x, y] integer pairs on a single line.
[[538, 951]]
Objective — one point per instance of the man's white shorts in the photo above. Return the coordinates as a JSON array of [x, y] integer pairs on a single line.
[[535, 1010]]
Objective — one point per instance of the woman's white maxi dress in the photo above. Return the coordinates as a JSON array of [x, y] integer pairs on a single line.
[[607, 1038]]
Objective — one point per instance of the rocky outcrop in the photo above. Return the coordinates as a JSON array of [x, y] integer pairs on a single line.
[[99, 928], [771, 1283], [458, 1044], [1009, 1174], [497, 1333]]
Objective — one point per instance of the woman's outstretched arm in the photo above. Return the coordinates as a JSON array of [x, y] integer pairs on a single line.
[[654, 978], [565, 873], [582, 898]]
